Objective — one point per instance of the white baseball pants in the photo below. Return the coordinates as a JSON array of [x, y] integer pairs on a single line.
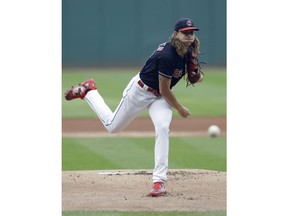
[[135, 100]]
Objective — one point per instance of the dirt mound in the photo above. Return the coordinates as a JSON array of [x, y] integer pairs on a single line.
[[127, 190]]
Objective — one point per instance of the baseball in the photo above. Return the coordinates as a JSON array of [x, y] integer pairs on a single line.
[[214, 131]]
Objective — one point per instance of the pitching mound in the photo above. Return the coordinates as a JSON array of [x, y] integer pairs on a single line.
[[127, 190]]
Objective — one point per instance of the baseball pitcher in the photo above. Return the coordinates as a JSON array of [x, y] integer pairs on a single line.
[[152, 89]]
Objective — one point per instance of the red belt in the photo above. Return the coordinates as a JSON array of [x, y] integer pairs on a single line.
[[155, 92]]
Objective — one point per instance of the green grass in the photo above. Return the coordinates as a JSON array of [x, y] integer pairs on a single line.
[[138, 153], [205, 99], [89, 213]]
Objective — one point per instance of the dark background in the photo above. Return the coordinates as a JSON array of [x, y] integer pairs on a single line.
[[126, 32]]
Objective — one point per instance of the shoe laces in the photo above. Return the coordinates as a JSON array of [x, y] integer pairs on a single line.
[[78, 90]]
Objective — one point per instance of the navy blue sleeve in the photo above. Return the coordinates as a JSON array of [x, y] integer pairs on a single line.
[[165, 67]]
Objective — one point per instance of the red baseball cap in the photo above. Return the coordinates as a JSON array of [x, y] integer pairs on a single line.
[[185, 24]]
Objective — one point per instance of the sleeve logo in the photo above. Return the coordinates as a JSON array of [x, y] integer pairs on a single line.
[[177, 73]]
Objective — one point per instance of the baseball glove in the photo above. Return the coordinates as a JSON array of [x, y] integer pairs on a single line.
[[193, 71]]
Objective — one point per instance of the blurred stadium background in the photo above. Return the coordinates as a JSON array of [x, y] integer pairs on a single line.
[[113, 33]]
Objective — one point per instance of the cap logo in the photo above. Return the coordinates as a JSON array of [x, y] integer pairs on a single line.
[[189, 23]]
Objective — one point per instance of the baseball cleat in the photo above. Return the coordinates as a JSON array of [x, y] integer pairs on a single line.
[[80, 90], [158, 189]]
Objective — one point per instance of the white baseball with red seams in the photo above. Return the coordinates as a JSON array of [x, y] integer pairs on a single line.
[[136, 99]]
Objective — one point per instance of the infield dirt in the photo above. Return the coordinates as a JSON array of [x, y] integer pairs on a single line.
[[128, 190], [189, 126]]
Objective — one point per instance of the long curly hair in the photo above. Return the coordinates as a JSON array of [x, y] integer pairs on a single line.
[[181, 49]]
